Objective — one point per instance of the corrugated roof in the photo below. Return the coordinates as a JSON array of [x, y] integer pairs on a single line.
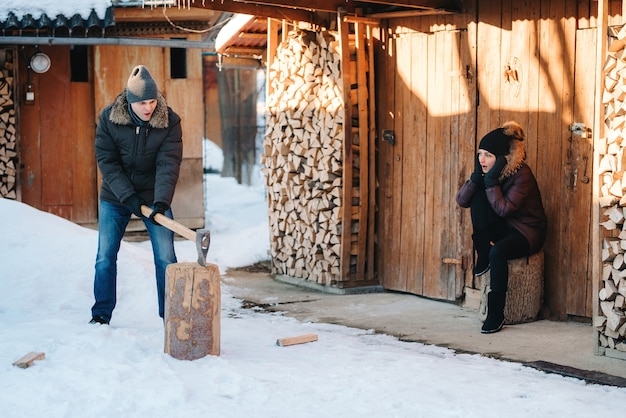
[[59, 25]]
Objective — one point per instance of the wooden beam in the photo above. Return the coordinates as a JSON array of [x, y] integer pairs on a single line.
[[273, 29], [420, 4], [410, 13], [598, 132], [336, 5], [258, 9], [295, 10], [363, 118], [371, 225], [252, 35], [243, 50], [158, 14], [365, 20]]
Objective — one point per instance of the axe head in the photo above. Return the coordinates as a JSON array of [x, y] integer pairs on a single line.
[[203, 240]]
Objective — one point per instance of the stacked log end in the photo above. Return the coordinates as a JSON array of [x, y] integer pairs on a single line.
[[8, 128], [611, 298], [303, 158]]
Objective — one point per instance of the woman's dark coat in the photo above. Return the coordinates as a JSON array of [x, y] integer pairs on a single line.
[[138, 160], [516, 198]]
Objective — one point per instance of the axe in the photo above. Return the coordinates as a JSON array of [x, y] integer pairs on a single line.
[[202, 237]]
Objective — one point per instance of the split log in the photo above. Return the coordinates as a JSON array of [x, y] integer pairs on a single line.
[[301, 339], [615, 213], [29, 359], [609, 291], [192, 311], [621, 288]]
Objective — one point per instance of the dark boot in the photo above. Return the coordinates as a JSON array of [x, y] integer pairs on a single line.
[[482, 246], [495, 312], [482, 265]]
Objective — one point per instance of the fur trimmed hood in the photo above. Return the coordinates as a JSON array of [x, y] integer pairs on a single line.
[[119, 112], [516, 156], [514, 159]]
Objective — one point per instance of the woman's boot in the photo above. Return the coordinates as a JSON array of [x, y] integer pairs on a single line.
[[482, 245], [495, 312]]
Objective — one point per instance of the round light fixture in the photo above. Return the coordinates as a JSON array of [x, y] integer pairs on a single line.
[[40, 63]]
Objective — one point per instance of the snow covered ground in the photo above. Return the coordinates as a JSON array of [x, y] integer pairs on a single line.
[[121, 370]]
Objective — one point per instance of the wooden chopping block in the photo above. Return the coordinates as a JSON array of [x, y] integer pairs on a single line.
[[192, 310]]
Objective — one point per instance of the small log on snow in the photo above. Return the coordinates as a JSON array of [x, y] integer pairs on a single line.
[[301, 339], [29, 359]]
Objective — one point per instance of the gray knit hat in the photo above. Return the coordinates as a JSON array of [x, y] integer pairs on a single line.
[[141, 86]]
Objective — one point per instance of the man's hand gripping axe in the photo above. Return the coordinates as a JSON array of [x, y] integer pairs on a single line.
[[202, 237]]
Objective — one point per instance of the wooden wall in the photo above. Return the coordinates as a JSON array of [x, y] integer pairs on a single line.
[[533, 62]]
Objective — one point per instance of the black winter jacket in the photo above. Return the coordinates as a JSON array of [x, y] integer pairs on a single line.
[[516, 198], [133, 160]]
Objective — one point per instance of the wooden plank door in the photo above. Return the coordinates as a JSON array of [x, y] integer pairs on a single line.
[[56, 139], [575, 262], [429, 112]]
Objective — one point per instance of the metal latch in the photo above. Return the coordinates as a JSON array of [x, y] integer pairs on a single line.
[[389, 136], [578, 128]]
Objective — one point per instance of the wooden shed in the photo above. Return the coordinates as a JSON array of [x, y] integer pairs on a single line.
[[368, 199], [53, 111], [375, 109]]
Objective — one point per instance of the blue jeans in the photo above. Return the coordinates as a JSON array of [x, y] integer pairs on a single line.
[[112, 222]]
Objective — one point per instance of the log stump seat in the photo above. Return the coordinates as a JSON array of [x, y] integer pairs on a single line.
[[524, 296]]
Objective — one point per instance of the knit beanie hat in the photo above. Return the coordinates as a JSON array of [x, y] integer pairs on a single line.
[[496, 142], [141, 86]]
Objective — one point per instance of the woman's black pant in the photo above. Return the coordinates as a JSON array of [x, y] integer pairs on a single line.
[[508, 243]]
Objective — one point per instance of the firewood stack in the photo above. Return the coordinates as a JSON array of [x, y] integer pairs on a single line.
[[303, 150], [8, 125], [611, 318]]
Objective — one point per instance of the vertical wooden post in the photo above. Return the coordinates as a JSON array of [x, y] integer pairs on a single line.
[[370, 275], [273, 28], [192, 311], [363, 137], [346, 199], [598, 132]]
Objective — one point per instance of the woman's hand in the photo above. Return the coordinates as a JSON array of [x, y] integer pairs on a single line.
[[477, 176], [492, 177]]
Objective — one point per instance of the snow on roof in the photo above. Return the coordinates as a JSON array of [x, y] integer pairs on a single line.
[[52, 8]]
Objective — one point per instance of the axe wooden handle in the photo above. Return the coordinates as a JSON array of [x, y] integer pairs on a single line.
[[170, 224]]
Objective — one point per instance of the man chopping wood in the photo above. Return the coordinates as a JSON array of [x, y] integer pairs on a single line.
[[139, 151]]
